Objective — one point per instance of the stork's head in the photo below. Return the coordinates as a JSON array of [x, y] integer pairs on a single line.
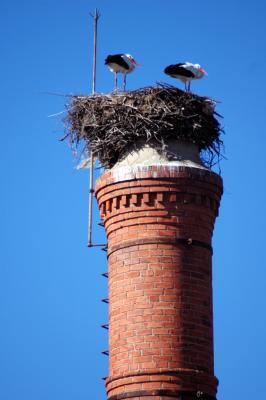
[[131, 59], [200, 69]]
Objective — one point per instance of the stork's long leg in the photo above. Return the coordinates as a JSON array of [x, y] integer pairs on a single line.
[[115, 81], [125, 82], [189, 86], [185, 86]]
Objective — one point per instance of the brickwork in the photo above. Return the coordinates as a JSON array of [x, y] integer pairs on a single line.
[[159, 222]]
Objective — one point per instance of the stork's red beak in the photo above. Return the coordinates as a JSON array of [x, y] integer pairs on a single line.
[[136, 63], [203, 71]]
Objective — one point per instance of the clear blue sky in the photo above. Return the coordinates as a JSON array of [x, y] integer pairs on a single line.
[[50, 283]]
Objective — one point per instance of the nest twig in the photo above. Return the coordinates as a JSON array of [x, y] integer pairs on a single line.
[[114, 125]]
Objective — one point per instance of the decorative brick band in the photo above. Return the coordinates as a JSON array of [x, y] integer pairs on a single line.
[[124, 182], [180, 395], [157, 172], [159, 240], [156, 195], [176, 380], [114, 203]]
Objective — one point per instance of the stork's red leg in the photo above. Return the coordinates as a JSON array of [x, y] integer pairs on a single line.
[[125, 82], [189, 86], [115, 81]]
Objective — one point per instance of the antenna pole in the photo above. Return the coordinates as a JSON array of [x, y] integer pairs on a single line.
[[95, 17]]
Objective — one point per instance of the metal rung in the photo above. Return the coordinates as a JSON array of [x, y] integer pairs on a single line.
[[105, 274], [105, 352], [105, 326], [104, 248], [97, 245], [105, 301], [104, 378], [101, 223]]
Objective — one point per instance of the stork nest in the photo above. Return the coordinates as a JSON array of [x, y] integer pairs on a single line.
[[114, 125]]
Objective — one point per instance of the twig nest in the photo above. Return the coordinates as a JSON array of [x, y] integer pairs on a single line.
[[114, 125]]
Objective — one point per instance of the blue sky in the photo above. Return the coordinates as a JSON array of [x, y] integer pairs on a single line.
[[50, 283]]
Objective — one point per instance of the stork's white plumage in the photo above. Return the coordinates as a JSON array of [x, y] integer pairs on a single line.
[[121, 63], [186, 72]]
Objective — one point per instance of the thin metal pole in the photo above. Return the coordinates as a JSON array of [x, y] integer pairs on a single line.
[[95, 17], [90, 203]]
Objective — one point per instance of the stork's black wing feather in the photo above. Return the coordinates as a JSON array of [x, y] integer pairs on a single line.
[[178, 69], [116, 59]]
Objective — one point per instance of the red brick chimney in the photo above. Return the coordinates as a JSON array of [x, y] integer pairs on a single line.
[[159, 221]]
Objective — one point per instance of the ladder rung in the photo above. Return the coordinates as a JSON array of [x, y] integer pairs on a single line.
[[105, 274], [105, 352], [105, 326], [105, 301]]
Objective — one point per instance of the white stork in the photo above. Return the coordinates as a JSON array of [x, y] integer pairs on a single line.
[[121, 63], [186, 72]]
